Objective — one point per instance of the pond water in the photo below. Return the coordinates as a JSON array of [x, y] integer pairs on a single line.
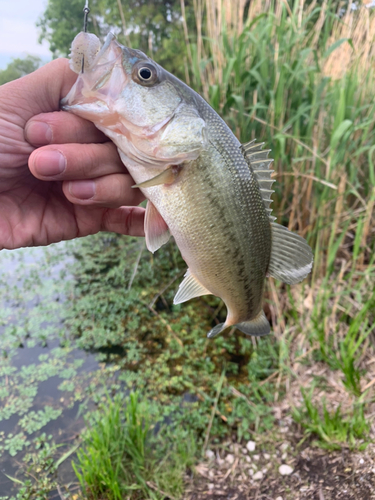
[[44, 379]]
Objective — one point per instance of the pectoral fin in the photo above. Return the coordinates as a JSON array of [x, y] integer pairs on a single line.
[[166, 177], [291, 257], [156, 229], [189, 288]]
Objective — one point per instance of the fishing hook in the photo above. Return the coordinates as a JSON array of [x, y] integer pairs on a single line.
[[86, 11]]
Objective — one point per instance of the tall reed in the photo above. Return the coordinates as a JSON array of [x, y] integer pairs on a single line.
[[299, 76]]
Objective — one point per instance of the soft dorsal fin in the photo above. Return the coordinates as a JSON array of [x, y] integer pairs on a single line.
[[291, 257], [260, 163], [189, 288]]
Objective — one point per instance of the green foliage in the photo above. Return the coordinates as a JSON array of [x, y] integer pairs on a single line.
[[333, 429], [19, 67], [122, 456], [153, 27]]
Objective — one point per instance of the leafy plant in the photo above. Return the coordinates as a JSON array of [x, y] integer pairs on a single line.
[[333, 429]]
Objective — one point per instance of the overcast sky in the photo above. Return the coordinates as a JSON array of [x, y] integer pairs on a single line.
[[18, 34]]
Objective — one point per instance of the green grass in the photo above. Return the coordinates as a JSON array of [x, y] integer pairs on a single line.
[[332, 429], [123, 457]]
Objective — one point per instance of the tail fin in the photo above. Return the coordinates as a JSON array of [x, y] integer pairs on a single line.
[[216, 330], [257, 327]]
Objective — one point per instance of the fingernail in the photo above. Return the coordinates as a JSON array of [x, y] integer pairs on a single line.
[[82, 189], [48, 163], [38, 133]]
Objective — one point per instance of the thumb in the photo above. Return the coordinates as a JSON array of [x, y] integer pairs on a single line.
[[40, 91]]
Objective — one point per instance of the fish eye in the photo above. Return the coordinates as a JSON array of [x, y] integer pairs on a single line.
[[144, 74]]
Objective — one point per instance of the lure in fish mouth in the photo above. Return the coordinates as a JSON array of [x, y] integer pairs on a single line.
[[203, 187]]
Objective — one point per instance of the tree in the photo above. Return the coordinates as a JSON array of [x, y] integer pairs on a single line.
[[153, 27], [19, 67]]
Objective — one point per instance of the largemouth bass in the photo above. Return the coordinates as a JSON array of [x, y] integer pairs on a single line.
[[203, 187]]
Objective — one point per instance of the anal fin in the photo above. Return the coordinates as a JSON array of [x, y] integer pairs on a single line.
[[156, 229], [291, 257], [189, 288]]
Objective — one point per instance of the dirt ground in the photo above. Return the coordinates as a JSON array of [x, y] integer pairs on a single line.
[[314, 474]]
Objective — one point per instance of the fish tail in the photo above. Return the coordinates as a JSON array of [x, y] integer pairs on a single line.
[[216, 330], [257, 327]]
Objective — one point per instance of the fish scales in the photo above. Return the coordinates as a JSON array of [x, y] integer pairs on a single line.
[[201, 186]]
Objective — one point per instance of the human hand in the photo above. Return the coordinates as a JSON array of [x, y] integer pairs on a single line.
[[60, 177]]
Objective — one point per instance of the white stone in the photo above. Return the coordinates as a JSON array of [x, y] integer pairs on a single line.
[[267, 456], [279, 498], [244, 451], [211, 486], [256, 457], [258, 475], [361, 461], [250, 445], [251, 472], [285, 470], [229, 458], [248, 459], [284, 446], [284, 455], [210, 454]]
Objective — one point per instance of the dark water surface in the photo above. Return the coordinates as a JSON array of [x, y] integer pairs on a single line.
[[44, 378]]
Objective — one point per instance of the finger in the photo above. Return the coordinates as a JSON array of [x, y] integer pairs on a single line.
[[43, 89], [124, 220], [111, 191], [75, 161], [61, 127]]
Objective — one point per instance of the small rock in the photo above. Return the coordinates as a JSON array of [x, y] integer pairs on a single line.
[[251, 472], [284, 446], [284, 455], [211, 486], [285, 470], [256, 457], [211, 474], [219, 460], [229, 458], [210, 454], [258, 475], [244, 451], [248, 460], [279, 498], [361, 461], [250, 445], [267, 456]]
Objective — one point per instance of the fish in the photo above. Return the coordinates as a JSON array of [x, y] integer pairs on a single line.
[[204, 188]]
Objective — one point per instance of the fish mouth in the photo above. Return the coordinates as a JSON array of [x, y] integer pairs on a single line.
[[100, 84]]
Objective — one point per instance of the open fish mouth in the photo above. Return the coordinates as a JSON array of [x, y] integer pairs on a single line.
[[101, 75]]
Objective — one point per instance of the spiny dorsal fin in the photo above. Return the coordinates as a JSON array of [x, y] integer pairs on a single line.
[[260, 163]]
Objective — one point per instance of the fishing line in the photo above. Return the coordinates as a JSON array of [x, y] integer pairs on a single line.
[[86, 11]]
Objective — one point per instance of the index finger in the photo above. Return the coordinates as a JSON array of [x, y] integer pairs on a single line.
[[61, 127]]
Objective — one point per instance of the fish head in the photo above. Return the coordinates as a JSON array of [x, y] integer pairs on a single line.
[[149, 113]]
